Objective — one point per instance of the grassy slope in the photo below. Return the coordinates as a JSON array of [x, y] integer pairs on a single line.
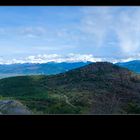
[[31, 91]]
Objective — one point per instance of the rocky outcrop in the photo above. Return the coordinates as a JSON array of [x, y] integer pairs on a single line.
[[13, 107]]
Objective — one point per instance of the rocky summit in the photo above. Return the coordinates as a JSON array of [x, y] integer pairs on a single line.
[[13, 107]]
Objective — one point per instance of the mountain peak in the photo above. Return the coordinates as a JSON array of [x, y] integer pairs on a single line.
[[97, 88], [101, 67]]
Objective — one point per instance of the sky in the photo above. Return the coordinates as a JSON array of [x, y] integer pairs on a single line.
[[40, 34]]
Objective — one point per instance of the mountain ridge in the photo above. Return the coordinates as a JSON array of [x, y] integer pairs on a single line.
[[31, 68], [131, 65], [99, 88], [55, 68]]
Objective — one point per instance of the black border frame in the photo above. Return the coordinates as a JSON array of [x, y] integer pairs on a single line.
[[69, 2], [70, 122]]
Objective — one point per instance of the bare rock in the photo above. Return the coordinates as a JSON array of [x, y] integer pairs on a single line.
[[13, 107]]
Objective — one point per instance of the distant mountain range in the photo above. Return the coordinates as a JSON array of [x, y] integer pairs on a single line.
[[54, 68], [37, 69], [97, 88], [131, 65]]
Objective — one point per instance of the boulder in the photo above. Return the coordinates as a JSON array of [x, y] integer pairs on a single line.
[[13, 107]]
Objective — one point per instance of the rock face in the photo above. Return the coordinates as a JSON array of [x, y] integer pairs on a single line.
[[12, 107]]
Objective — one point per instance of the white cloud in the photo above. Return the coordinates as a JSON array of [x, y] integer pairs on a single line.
[[96, 23], [45, 58], [101, 23], [32, 32], [59, 58], [128, 31], [98, 30], [130, 58]]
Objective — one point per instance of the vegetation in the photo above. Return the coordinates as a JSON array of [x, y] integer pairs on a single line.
[[132, 108], [99, 88]]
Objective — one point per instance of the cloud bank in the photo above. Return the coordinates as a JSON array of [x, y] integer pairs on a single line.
[[70, 58], [45, 58]]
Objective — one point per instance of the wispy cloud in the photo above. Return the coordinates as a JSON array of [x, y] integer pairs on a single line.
[[107, 32], [102, 23], [33, 31]]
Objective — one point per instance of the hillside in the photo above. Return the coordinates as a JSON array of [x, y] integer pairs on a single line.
[[99, 88]]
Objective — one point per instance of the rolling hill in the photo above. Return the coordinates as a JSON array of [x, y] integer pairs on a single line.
[[99, 88]]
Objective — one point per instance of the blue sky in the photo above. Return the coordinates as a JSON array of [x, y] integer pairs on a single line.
[[29, 32]]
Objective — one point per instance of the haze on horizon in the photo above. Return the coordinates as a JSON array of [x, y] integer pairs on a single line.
[[71, 33]]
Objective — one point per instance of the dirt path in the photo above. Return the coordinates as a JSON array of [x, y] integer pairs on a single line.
[[67, 101]]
